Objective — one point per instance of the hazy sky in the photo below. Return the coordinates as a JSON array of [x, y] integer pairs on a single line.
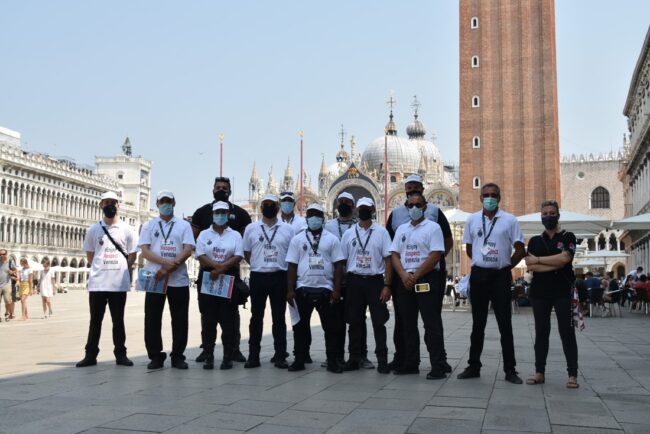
[[77, 77]]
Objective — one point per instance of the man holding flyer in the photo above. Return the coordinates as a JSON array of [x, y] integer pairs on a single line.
[[166, 242], [219, 249]]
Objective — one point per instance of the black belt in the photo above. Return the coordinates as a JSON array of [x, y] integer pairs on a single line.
[[366, 276], [269, 272]]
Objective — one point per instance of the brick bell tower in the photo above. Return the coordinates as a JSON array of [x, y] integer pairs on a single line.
[[508, 103]]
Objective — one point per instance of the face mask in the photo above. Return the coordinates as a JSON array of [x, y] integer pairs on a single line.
[[287, 207], [365, 213], [166, 209], [315, 223], [490, 203], [221, 196], [550, 221], [269, 211], [416, 213], [110, 211], [220, 219], [344, 209]]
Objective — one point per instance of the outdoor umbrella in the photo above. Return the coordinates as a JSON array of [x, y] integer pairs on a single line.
[[637, 223], [580, 224]]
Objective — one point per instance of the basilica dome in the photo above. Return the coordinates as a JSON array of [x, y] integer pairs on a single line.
[[403, 155]]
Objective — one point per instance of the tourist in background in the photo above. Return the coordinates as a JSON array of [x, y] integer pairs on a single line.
[[7, 275], [25, 286], [46, 286]]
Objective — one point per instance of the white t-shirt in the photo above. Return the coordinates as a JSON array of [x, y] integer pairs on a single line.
[[166, 239], [339, 227], [365, 250], [219, 247], [109, 270], [315, 269], [415, 243], [502, 233], [268, 245], [298, 223]]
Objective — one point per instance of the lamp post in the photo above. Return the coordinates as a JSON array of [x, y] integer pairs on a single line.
[[385, 176], [221, 154], [302, 195]]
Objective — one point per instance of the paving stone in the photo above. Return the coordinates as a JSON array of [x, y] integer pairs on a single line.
[[326, 406], [259, 408], [433, 426], [306, 419], [233, 421], [523, 418], [448, 401], [371, 417], [267, 428], [147, 422], [456, 413], [635, 429], [393, 404]]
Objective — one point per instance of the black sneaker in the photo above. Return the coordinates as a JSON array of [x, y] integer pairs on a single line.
[[469, 373], [277, 357], [209, 361], [252, 362], [406, 370], [446, 367], [237, 356], [436, 374], [308, 359], [366, 364], [123, 361], [296, 366], [179, 364], [157, 362], [383, 368], [394, 364], [86, 361], [334, 367], [512, 377], [226, 364], [281, 364], [201, 357], [352, 365]]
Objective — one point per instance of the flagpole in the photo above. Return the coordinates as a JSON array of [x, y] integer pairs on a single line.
[[385, 176], [221, 154], [302, 193]]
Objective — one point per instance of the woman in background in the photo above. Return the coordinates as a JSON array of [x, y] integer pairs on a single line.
[[46, 286], [25, 286]]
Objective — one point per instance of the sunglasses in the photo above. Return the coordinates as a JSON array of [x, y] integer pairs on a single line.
[[494, 195], [417, 205]]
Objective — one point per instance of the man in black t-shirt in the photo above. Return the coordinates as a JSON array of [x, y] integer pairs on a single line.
[[238, 219]]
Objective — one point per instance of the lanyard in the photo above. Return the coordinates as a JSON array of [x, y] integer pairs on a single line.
[[275, 231], [363, 246], [494, 220], [314, 246], [348, 225], [169, 232]]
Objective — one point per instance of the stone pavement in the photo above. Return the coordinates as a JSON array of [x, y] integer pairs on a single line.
[[41, 391]]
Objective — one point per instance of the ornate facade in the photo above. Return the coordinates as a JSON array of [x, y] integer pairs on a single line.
[[362, 174], [49, 202]]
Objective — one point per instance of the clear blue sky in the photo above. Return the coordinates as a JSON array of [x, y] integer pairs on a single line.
[[77, 77]]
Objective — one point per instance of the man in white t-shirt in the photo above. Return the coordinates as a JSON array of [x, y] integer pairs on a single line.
[[366, 247], [265, 249], [166, 243], [288, 214], [490, 237], [416, 251], [314, 282], [110, 247]]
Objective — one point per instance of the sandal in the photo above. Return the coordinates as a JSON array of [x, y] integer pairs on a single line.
[[572, 383], [537, 379]]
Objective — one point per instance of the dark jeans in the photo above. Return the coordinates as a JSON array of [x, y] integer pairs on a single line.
[[428, 305], [331, 318], [97, 300], [491, 285], [273, 286], [218, 311], [542, 312], [154, 305], [364, 292]]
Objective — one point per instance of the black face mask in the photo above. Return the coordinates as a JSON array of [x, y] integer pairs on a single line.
[[110, 211], [221, 195], [269, 211], [344, 209], [365, 213], [550, 221]]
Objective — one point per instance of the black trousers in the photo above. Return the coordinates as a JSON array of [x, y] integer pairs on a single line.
[[542, 312], [362, 293], [97, 301], [441, 292], [398, 330], [154, 305], [236, 321], [491, 285], [274, 287], [428, 306], [331, 318], [218, 311]]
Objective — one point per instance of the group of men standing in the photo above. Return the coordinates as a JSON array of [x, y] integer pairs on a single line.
[[341, 269]]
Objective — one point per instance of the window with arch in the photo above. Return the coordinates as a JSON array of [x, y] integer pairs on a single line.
[[599, 198], [476, 102], [476, 183], [476, 142], [475, 62], [473, 23]]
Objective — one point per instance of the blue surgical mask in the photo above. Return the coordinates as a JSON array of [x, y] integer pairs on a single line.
[[490, 203], [220, 219], [287, 207], [166, 209], [416, 213], [315, 223]]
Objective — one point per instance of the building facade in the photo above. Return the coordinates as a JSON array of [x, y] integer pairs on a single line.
[[508, 102], [47, 203], [635, 172]]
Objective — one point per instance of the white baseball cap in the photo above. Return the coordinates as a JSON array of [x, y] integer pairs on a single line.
[[346, 195], [316, 206], [220, 205], [110, 195], [271, 197], [287, 195], [414, 178], [165, 193], [365, 201]]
